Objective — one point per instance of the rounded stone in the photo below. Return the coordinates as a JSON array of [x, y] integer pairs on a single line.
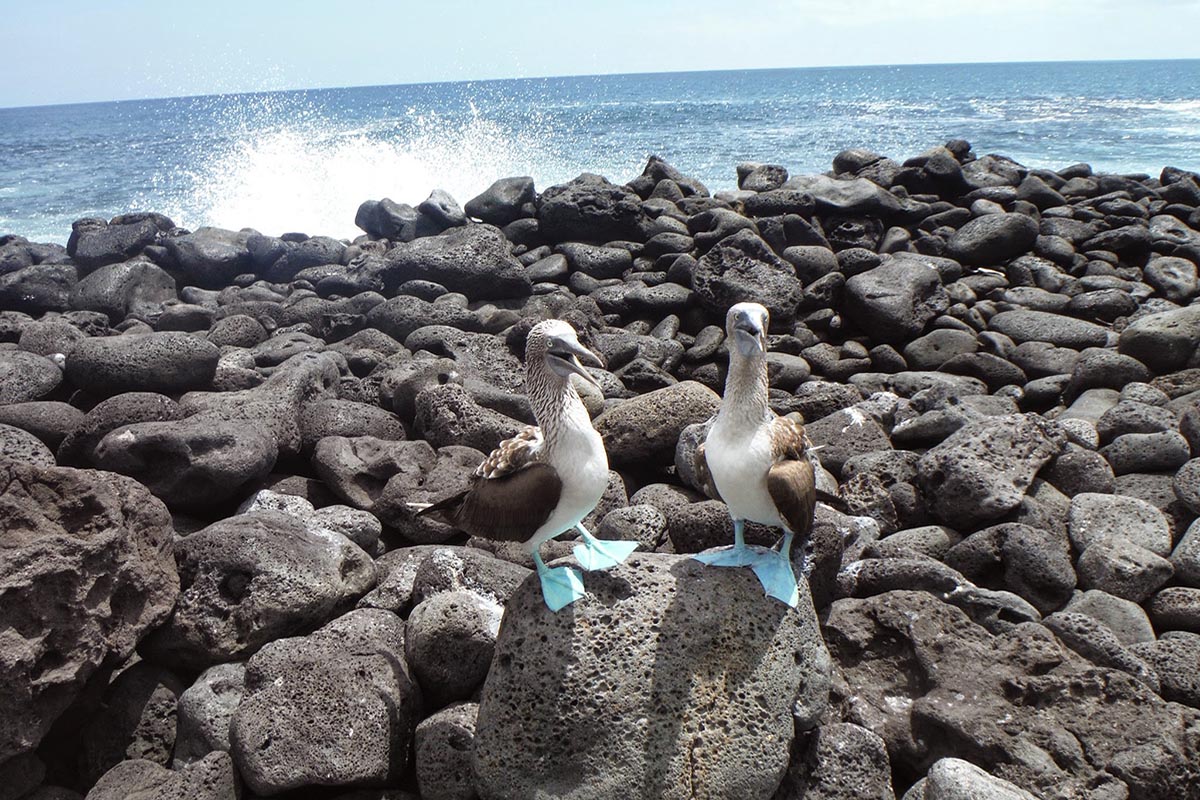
[[449, 643], [1176, 608], [444, 741], [694, 694], [169, 363], [26, 376]]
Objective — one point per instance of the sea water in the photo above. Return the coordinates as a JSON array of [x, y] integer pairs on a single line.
[[304, 160]]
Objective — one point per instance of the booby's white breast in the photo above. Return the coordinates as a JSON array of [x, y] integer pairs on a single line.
[[579, 458], [739, 461]]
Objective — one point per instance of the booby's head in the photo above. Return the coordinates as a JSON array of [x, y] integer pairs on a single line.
[[557, 345], [746, 328]]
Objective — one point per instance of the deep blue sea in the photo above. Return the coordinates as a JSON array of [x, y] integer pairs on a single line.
[[304, 160]]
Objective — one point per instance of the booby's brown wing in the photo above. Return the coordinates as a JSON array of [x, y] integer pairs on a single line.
[[700, 465], [791, 481], [511, 494]]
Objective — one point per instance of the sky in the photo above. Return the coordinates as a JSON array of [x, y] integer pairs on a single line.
[[54, 51]]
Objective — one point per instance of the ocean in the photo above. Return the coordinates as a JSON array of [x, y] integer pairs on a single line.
[[304, 160]]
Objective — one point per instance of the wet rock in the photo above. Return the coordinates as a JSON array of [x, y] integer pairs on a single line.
[[664, 693], [444, 741], [742, 268], [449, 641], [205, 711], [87, 573], [912, 674], [472, 259], [334, 708], [151, 362], [646, 428], [25, 377], [387, 219], [252, 578], [211, 778], [190, 464], [129, 289], [984, 470]]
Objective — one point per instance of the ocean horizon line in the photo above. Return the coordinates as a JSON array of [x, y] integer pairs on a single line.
[[579, 76]]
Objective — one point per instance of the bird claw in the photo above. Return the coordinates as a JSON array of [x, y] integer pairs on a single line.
[[561, 586]]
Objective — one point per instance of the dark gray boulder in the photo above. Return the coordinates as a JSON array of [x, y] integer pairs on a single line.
[[211, 778], [126, 289], [95, 243], [993, 239], [741, 268], [853, 196], [38, 288], [646, 428], [334, 708], [590, 209], [1030, 562], [191, 464], [210, 257], [205, 711], [443, 744], [26, 376], [472, 259], [1165, 341], [654, 707], [78, 448], [1041, 326], [87, 573], [984, 470], [387, 219], [253, 578], [895, 301], [449, 641], [167, 362], [910, 660], [840, 761], [49, 420], [505, 201], [22, 446]]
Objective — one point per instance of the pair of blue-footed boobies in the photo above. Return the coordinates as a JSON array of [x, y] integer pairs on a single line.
[[546, 479]]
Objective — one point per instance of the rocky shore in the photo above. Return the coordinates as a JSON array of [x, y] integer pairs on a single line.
[[212, 585]]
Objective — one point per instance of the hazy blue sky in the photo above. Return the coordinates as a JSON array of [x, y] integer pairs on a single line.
[[59, 52]]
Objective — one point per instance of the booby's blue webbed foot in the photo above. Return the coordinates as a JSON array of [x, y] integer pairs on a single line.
[[561, 586], [774, 572], [596, 553], [737, 556]]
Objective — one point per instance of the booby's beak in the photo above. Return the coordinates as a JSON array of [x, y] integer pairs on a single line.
[[749, 335], [564, 357]]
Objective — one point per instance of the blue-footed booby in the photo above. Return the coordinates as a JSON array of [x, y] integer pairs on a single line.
[[546, 479], [755, 461]]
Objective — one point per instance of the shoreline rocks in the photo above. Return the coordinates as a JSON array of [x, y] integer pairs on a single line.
[[213, 578]]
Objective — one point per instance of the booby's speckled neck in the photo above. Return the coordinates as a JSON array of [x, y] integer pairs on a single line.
[[555, 403], [745, 403]]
